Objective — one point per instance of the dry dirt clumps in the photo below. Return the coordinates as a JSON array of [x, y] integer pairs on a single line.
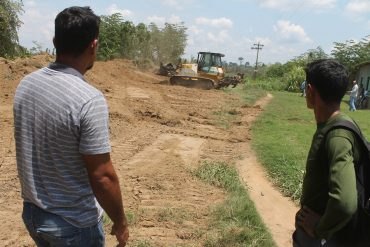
[[159, 133]]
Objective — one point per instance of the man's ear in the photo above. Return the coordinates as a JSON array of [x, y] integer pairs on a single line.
[[94, 44], [309, 88]]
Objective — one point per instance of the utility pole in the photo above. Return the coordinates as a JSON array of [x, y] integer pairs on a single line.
[[257, 47]]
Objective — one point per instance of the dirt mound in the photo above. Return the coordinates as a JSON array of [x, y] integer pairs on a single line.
[[158, 133]]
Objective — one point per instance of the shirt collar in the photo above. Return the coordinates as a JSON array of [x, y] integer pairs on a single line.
[[65, 69]]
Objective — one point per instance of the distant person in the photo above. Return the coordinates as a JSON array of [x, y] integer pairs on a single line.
[[329, 194], [62, 143], [303, 88], [353, 96]]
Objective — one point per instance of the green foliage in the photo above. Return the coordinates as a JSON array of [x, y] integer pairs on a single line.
[[110, 37], [294, 78], [351, 53], [288, 76], [168, 44], [267, 84], [9, 23], [310, 56], [275, 70]]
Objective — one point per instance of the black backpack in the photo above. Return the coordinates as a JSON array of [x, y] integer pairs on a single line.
[[359, 226]]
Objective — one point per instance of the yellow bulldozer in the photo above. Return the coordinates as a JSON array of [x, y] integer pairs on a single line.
[[206, 73]]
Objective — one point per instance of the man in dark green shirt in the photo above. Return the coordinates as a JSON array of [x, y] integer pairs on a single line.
[[329, 194]]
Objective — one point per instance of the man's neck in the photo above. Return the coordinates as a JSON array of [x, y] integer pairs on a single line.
[[73, 62], [325, 112]]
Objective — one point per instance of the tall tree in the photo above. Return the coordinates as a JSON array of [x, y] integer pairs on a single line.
[[9, 24], [240, 60], [168, 43], [352, 53], [110, 36]]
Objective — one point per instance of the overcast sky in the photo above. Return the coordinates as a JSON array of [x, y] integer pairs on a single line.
[[286, 28]]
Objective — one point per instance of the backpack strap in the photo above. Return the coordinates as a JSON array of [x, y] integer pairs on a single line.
[[346, 124]]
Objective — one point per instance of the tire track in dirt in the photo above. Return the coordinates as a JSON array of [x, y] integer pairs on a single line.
[[170, 205]]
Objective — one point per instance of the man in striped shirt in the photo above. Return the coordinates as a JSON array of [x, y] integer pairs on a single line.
[[62, 143]]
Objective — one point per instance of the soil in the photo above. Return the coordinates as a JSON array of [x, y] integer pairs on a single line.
[[159, 134]]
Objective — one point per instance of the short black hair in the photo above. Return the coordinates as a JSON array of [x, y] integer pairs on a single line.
[[329, 77], [75, 29]]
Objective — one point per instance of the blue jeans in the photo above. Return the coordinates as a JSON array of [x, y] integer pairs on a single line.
[[302, 239], [49, 229], [352, 101]]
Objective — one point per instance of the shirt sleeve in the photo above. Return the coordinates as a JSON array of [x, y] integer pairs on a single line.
[[94, 127], [342, 203]]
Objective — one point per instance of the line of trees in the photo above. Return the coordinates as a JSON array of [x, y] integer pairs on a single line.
[[289, 76], [122, 39]]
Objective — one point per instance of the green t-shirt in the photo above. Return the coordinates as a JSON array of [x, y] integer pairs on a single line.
[[329, 185]]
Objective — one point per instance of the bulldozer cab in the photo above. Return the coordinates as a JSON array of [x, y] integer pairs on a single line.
[[209, 62], [206, 73]]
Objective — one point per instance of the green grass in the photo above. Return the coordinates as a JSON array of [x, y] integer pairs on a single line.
[[224, 116], [227, 113], [141, 243], [248, 94], [282, 136], [173, 214], [236, 221]]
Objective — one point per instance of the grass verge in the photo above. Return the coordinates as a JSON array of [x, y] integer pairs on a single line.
[[236, 221], [282, 136], [228, 113], [248, 93]]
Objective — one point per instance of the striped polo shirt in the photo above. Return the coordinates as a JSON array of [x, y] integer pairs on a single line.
[[57, 117]]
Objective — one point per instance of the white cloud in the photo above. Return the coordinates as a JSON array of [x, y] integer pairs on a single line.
[[161, 20], [194, 30], [29, 3], [358, 7], [295, 5], [220, 37], [174, 19], [220, 22], [262, 40], [291, 32], [158, 20], [171, 3], [178, 4], [113, 8], [38, 25], [318, 4]]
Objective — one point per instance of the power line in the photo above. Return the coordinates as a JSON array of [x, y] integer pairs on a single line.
[[257, 47]]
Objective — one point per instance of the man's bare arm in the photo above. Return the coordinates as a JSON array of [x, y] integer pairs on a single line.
[[105, 185]]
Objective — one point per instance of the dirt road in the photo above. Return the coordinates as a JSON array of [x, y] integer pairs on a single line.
[[159, 134]]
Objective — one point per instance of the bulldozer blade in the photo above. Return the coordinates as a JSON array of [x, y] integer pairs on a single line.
[[192, 82]]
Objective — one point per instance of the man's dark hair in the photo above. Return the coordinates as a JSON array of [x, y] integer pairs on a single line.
[[329, 77], [75, 29]]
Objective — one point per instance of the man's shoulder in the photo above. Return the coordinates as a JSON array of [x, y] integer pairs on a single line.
[[33, 73], [340, 130]]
